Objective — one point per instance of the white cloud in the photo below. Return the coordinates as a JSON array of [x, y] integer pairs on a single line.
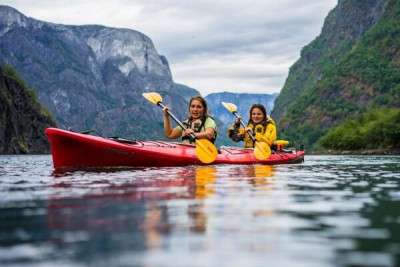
[[211, 45]]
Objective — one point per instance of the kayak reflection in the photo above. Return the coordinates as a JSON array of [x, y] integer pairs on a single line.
[[200, 187], [134, 209], [129, 206]]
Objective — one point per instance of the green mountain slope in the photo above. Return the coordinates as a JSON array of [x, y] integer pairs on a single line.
[[352, 67], [22, 118]]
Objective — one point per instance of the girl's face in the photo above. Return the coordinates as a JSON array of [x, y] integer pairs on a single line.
[[196, 109], [257, 116]]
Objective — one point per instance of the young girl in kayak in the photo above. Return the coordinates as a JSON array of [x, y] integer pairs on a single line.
[[199, 123], [260, 125]]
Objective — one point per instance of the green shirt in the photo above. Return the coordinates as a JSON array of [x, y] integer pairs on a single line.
[[209, 123]]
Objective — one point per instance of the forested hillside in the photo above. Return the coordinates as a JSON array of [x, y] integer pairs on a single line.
[[22, 118], [351, 68], [375, 130]]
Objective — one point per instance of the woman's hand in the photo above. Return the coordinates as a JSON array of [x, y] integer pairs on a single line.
[[188, 132], [165, 109]]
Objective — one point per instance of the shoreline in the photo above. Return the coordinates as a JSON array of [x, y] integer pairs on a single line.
[[383, 152]]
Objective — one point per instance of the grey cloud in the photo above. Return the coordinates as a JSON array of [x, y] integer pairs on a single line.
[[210, 44]]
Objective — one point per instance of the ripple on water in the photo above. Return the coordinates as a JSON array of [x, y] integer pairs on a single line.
[[327, 211]]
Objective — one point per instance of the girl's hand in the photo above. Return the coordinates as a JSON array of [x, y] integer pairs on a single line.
[[248, 129]]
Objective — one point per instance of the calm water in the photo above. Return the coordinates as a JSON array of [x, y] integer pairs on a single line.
[[327, 211]]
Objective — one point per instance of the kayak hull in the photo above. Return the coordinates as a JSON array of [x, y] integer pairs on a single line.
[[77, 150]]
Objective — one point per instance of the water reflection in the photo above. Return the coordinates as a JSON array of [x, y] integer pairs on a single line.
[[263, 175], [347, 200], [205, 179], [328, 211], [133, 210], [140, 208]]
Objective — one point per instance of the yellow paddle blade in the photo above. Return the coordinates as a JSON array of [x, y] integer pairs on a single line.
[[153, 97], [229, 106], [206, 151], [262, 151]]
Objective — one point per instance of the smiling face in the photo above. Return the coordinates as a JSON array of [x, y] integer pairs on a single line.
[[257, 116], [196, 109]]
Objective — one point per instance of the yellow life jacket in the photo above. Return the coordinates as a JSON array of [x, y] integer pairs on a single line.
[[197, 126], [257, 129]]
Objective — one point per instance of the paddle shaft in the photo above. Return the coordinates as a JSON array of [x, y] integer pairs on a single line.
[[244, 125], [191, 136]]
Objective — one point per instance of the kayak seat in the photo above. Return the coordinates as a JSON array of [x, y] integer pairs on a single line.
[[122, 140], [114, 138]]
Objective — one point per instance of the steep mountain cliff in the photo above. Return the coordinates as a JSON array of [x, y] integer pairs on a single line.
[[90, 77], [353, 66], [22, 119]]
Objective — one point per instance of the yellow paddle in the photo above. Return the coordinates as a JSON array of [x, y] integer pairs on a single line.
[[261, 149], [205, 150]]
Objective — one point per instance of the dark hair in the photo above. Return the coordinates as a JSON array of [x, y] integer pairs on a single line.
[[260, 107], [203, 103]]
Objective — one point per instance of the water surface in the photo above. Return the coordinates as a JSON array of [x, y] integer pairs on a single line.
[[327, 211]]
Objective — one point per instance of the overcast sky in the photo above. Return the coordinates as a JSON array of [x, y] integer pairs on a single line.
[[211, 45]]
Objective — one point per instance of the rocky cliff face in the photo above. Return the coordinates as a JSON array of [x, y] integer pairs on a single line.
[[90, 77], [22, 119], [343, 28], [350, 68]]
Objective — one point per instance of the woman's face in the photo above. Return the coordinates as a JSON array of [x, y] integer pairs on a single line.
[[256, 115], [196, 109]]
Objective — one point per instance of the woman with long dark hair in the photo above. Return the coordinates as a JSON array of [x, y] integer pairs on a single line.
[[198, 123], [260, 125]]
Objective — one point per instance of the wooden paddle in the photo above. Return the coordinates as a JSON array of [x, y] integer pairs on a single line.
[[261, 150], [205, 150]]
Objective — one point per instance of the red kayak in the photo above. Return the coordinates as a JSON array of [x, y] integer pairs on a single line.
[[78, 150]]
